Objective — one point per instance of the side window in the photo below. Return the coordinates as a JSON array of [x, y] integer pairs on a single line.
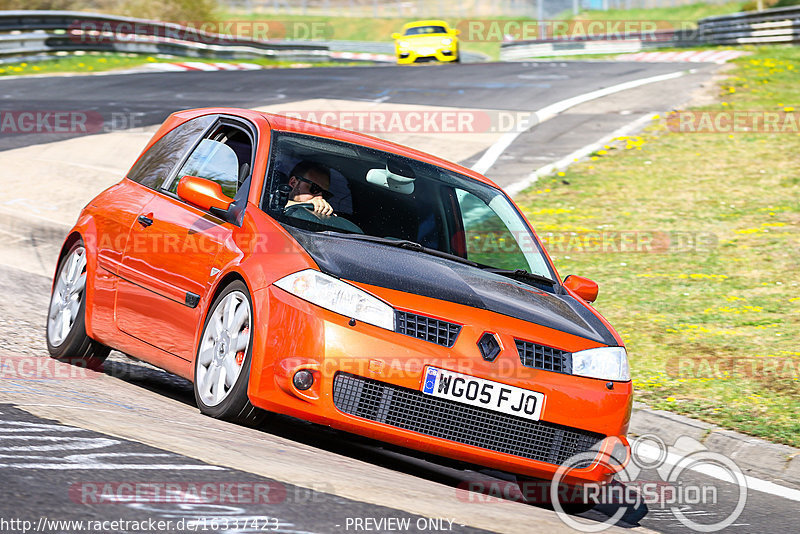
[[213, 161], [224, 157], [156, 164], [488, 239]]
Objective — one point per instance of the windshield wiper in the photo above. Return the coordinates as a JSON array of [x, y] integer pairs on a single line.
[[404, 243], [520, 273]]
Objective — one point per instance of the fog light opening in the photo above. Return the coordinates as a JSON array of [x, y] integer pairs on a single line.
[[303, 379]]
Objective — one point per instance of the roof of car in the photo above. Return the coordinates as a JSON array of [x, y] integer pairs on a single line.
[[425, 23], [289, 124]]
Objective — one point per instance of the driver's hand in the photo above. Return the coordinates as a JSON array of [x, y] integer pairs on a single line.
[[321, 206]]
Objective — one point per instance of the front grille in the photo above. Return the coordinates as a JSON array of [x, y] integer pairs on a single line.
[[543, 357], [442, 418], [427, 328]]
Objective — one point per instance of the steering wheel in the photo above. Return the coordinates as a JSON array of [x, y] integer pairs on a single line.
[[294, 207], [331, 221]]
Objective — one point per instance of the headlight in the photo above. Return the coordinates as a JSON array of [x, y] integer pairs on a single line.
[[606, 363], [446, 41], [339, 297], [402, 44]]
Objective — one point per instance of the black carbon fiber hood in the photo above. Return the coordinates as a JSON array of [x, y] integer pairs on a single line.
[[421, 274]]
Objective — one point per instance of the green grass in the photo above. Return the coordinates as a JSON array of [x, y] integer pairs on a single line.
[[73, 63], [690, 12], [710, 313], [99, 62]]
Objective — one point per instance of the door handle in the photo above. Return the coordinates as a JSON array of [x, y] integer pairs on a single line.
[[144, 220]]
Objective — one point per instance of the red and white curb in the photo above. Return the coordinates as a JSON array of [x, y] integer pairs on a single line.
[[363, 56], [187, 66], [691, 56]]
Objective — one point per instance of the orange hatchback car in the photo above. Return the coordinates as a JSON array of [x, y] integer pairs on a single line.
[[286, 266]]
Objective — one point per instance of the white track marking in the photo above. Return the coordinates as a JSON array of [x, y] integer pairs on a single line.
[[567, 160], [548, 112], [654, 453], [691, 56]]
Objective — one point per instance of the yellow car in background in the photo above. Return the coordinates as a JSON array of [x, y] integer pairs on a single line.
[[426, 40]]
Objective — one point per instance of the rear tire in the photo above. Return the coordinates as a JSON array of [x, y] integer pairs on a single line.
[[222, 362], [66, 317]]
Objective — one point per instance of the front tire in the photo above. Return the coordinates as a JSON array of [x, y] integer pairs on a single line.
[[66, 318], [222, 363]]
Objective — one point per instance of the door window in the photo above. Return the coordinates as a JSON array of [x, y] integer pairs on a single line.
[[224, 157], [155, 165]]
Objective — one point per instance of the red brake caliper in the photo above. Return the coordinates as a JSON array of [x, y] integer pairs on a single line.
[[240, 354]]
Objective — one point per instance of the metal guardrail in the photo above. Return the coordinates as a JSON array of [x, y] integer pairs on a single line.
[[36, 33], [30, 34], [379, 47], [779, 25], [771, 26], [597, 44]]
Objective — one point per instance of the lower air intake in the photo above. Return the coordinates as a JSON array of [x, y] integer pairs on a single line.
[[442, 418]]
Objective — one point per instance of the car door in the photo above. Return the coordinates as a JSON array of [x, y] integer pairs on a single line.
[[166, 267], [129, 197]]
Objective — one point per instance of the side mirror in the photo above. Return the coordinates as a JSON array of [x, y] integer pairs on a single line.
[[583, 287], [456, 32], [396, 35], [203, 193]]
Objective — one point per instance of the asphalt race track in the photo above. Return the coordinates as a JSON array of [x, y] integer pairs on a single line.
[[152, 96], [78, 444]]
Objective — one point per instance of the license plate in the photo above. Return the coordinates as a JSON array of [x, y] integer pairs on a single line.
[[427, 51], [483, 393]]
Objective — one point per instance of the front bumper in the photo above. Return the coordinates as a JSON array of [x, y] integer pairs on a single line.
[[444, 54], [368, 381]]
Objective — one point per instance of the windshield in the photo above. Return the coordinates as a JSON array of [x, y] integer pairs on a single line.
[[392, 197], [422, 30]]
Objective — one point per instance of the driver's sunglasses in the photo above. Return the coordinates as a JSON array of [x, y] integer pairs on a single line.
[[315, 189]]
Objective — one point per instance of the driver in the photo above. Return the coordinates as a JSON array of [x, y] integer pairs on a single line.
[[310, 182]]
